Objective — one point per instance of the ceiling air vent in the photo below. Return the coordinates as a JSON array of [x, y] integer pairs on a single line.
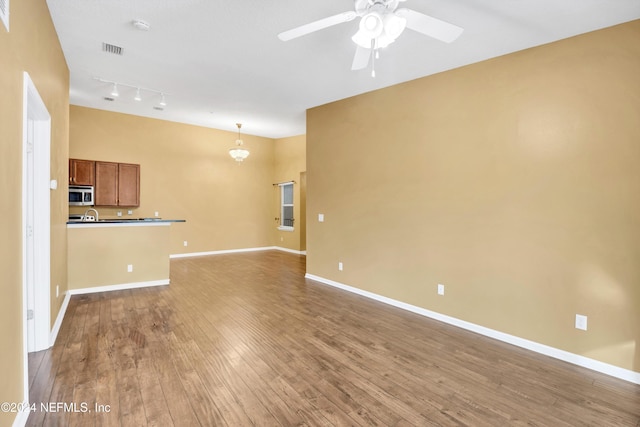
[[110, 48], [4, 13], [158, 108], [106, 98]]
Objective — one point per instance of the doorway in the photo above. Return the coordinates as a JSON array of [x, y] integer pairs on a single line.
[[36, 224]]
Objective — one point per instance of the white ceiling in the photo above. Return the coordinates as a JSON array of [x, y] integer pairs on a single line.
[[221, 62]]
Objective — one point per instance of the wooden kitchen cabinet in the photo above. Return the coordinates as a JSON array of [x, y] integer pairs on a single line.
[[117, 184], [82, 172], [128, 184]]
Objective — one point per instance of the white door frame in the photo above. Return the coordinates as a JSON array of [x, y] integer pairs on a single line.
[[36, 224]]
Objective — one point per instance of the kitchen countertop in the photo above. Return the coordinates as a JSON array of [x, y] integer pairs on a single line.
[[122, 222]]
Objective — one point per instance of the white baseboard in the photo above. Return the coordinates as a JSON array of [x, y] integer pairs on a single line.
[[56, 326], [21, 417], [291, 251], [119, 287], [235, 251], [226, 251], [576, 359]]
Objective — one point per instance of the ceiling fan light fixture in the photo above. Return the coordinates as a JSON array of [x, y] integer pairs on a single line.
[[381, 23], [371, 25], [394, 25], [384, 30], [361, 39], [383, 41]]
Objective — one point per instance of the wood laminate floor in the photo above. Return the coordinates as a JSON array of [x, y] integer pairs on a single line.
[[244, 340]]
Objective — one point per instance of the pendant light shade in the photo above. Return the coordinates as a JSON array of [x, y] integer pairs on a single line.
[[238, 153]]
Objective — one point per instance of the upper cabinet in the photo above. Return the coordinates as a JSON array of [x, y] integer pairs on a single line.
[[128, 184], [106, 191], [81, 172], [117, 184]]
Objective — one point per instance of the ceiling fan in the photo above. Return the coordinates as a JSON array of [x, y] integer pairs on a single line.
[[381, 23]]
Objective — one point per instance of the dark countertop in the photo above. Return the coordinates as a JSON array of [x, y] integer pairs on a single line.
[[125, 221]]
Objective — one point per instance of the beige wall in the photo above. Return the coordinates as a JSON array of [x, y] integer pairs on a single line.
[[186, 173], [514, 182], [99, 254], [290, 165], [31, 45]]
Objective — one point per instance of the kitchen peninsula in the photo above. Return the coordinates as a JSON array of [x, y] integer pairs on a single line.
[[114, 254]]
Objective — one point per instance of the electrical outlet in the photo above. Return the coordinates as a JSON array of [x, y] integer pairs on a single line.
[[340, 266], [129, 212], [156, 213], [440, 289], [320, 217], [129, 268], [185, 243], [119, 213], [581, 322]]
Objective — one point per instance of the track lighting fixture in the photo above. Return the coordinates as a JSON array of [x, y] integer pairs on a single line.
[[115, 93]]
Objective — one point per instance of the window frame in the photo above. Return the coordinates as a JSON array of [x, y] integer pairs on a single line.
[[284, 205]]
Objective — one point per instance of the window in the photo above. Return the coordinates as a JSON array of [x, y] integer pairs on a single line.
[[286, 206], [4, 13]]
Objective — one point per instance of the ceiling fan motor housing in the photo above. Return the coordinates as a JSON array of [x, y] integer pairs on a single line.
[[381, 6]]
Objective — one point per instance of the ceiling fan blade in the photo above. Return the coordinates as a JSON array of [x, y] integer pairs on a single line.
[[317, 25], [430, 26], [361, 58]]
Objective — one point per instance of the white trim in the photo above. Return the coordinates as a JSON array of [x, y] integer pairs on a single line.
[[56, 326], [283, 186], [21, 417], [119, 287], [4, 15], [576, 359], [291, 251], [117, 224], [235, 251], [226, 251], [37, 127]]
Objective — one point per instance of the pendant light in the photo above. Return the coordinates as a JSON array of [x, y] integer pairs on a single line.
[[238, 153]]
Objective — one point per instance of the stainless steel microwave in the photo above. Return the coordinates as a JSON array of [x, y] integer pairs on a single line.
[[80, 195]]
